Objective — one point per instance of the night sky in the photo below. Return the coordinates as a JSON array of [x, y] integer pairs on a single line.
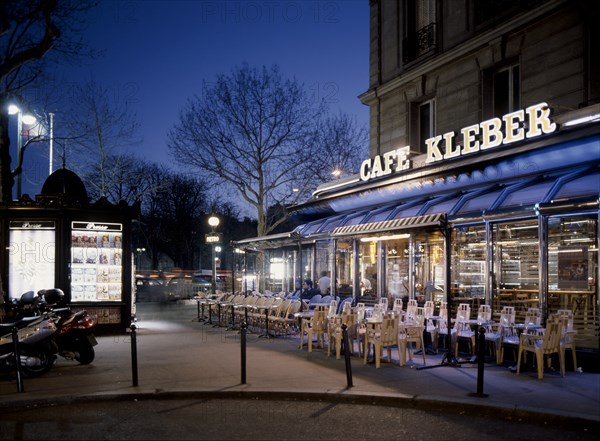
[[158, 53]]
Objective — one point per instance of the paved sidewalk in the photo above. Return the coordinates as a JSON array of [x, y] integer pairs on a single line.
[[178, 356]]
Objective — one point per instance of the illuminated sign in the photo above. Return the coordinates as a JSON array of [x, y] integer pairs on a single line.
[[213, 238], [516, 126]]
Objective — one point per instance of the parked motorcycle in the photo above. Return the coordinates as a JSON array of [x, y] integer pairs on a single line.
[[35, 336], [74, 338]]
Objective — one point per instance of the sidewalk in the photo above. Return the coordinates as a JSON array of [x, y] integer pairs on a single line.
[[179, 356]]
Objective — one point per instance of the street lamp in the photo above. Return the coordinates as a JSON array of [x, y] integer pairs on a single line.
[[26, 119], [139, 257], [214, 221]]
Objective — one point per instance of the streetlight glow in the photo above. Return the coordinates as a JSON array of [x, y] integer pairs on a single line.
[[214, 221]]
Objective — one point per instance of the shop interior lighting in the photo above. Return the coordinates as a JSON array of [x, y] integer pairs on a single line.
[[392, 237]]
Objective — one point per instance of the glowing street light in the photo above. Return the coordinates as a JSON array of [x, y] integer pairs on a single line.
[[214, 221], [27, 119]]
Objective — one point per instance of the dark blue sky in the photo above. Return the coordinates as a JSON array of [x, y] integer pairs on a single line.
[[160, 52]]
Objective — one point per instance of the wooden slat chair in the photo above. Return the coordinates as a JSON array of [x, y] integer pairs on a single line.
[[285, 320], [315, 327], [543, 345], [411, 310], [411, 333], [334, 334], [382, 335]]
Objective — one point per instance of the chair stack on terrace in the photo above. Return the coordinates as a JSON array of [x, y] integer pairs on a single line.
[[411, 332], [463, 313], [334, 332]]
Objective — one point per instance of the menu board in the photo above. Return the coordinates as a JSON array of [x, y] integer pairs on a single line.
[[31, 256], [96, 262]]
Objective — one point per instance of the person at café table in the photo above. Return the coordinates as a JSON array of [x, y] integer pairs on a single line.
[[307, 290]]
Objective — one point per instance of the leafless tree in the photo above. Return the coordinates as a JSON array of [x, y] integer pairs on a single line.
[[258, 132], [99, 127], [33, 34]]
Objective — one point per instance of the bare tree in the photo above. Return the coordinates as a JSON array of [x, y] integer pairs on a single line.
[[128, 179], [343, 145], [255, 130], [99, 128], [33, 33]]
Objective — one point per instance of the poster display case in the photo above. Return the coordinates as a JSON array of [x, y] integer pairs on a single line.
[[31, 256], [96, 262]]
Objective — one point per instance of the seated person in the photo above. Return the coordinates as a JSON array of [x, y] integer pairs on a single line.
[[307, 290]]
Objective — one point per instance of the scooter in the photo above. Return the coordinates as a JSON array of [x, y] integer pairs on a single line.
[[35, 344], [74, 337]]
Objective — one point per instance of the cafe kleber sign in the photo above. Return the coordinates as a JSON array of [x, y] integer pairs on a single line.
[[516, 126]]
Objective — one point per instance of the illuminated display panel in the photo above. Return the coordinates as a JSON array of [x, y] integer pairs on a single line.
[[31, 256], [96, 262]]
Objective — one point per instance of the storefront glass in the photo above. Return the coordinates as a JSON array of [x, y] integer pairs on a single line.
[[344, 268], [397, 251], [572, 272], [324, 259], [469, 264], [429, 266], [368, 259], [516, 266]]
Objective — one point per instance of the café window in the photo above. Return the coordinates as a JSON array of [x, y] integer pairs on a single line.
[[368, 262], [572, 272], [516, 264], [469, 262], [344, 270]]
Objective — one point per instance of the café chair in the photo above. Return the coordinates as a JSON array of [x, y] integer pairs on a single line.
[[382, 335], [398, 307], [316, 327], [286, 321], [409, 334], [383, 301], [567, 339], [431, 327], [334, 334], [442, 323], [543, 345], [463, 313], [411, 310], [498, 332]]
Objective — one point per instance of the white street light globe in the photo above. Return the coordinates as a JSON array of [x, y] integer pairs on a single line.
[[213, 221], [13, 110], [28, 119]]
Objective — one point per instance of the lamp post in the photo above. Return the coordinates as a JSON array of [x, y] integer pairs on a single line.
[[214, 221], [139, 257], [29, 120]]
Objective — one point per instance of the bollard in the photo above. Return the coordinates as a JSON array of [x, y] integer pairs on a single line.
[[480, 361], [346, 348], [243, 327], [15, 339], [134, 368]]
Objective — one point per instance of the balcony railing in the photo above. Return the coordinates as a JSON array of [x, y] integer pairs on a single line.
[[420, 43]]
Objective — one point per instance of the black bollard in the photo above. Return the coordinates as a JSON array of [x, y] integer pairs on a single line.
[[480, 361], [243, 327], [134, 368], [15, 339], [346, 348]]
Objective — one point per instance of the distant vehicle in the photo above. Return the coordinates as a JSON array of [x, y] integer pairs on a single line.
[[149, 289], [181, 288]]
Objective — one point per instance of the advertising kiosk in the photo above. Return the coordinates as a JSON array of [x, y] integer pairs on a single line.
[[62, 240]]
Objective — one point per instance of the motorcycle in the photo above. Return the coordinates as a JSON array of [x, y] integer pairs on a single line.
[[34, 334], [74, 338]]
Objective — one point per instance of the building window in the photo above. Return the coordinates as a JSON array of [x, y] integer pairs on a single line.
[[422, 124], [420, 25], [507, 90]]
